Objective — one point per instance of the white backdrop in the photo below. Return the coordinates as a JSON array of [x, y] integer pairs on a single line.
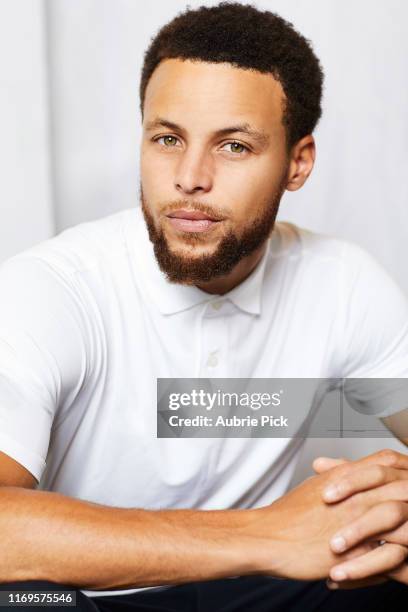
[[70, 123], [26, 207]]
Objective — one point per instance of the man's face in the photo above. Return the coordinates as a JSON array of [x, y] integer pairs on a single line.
[[213, 147]]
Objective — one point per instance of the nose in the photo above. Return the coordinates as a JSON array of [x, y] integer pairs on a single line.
[[194, 173]]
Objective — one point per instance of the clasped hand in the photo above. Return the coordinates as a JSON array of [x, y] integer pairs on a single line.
[[384, 526]]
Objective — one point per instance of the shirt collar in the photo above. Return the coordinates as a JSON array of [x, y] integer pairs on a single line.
[[171, 298]]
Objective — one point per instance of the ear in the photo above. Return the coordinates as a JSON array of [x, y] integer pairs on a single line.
[[301, 163]]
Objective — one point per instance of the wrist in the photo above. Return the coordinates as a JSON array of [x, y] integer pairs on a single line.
[[263, 549]]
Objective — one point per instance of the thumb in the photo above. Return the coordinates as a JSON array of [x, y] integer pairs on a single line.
[[322, 464]]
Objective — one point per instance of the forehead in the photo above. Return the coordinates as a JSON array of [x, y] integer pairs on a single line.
[[214, 92]]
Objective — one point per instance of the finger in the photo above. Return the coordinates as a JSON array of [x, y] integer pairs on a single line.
[[400, 573], [357, 551], [387, 457], [383, 559], [368, 477], [355, 584], [322, 464], [396, 536], [381, 518], [397, 490]]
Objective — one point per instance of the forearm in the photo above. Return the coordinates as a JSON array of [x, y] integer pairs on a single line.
[[46, 535]]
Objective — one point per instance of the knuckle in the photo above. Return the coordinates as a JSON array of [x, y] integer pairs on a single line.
[[401, 554], [357, 504], [400, 573], [345, 484], [380, 473], [342, 468], [389, 456], [357, 533], [396, 511]]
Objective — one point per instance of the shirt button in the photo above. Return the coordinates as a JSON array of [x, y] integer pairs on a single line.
[[217, 305], [212, 360]]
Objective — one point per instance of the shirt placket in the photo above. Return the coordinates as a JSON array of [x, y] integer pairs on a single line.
[[214, 340]]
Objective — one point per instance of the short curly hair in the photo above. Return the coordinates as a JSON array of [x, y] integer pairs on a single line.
[[247, 38]]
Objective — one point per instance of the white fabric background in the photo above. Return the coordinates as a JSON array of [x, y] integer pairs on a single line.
[[70, 124]]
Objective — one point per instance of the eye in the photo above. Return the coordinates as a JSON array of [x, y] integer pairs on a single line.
[[236, 147], [168, 141]]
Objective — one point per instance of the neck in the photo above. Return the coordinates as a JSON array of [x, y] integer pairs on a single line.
[[242, 270]]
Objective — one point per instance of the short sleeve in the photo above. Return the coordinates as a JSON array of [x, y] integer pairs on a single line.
[[43, 355], [374, 335]]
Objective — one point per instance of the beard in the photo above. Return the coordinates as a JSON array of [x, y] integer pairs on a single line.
[[184, 269]]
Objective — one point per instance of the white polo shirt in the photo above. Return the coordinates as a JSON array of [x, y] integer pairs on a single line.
[[88, 322]]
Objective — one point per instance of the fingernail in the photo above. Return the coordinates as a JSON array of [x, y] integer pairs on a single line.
[[338, 574], [338, 543], [331, 584], [331, 493]]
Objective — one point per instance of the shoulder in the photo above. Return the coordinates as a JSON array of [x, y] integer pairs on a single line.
[[74, 250], [331, 266], [296, 241], [310, 252], [316, 250]]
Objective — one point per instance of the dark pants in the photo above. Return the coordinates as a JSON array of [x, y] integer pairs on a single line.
[[247, 594]]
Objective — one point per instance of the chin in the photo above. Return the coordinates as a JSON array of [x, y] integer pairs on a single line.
[[190, 252], [190, 242]]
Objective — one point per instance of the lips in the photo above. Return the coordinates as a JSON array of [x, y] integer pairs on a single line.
[[192, 221], [191, 214]]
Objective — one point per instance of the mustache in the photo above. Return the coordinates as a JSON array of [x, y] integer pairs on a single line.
[[212, 211]]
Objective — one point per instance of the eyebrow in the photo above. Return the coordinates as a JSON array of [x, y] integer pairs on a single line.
[[244, 128]]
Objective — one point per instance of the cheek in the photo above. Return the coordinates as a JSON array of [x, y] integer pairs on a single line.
[[157, 174], [259, 176], [246, 194]]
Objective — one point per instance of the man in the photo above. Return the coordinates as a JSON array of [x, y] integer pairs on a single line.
[[199, 282]]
